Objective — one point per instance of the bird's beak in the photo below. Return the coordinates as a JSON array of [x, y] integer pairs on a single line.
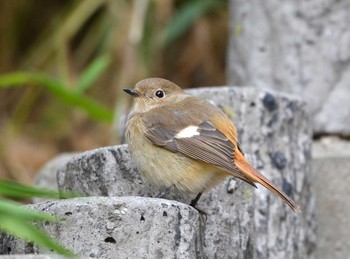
[[132, 92]]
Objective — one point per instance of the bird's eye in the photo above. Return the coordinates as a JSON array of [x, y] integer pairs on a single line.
[[160, 94]]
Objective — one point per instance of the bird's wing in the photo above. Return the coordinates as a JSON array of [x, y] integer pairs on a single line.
[[193, 137]]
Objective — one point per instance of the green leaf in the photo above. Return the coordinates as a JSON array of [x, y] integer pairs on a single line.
[[90, 106], [15, 211], [11, 189], [186, 16], [91, 73]]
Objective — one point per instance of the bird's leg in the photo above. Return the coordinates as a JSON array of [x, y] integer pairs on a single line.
[[203, 215], [195, 200]]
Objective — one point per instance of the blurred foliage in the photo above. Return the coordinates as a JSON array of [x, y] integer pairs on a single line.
[[18, 221], [67, 95], [185, 17], [63, 65]]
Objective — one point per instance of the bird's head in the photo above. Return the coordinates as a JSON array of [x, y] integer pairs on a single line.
[[154, 92]]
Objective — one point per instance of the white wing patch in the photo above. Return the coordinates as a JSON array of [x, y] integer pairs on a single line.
[[188, 132]]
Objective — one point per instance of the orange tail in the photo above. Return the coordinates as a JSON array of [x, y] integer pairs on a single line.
[[251, 174]]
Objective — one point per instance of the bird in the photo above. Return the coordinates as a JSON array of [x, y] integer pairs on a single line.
[[182, 141]]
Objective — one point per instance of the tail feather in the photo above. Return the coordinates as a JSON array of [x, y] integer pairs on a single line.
[[251, 174]]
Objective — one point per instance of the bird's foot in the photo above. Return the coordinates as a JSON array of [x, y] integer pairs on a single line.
[[194, 203], [195, 200]]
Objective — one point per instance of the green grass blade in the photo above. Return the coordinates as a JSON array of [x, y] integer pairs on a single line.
[[15, 190], [186, 16], [91, 73], [93, 108], [16, 211]]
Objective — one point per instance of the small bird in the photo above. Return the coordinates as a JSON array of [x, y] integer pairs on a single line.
[[183, 141]]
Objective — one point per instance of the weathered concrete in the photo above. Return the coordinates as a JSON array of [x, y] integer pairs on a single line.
[[104, 172], [116, 175], [300, 47], [120, 227], [47, 176], [275, 134], [331, 178]]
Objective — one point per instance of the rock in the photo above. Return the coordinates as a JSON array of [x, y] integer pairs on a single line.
[[120, 227], [110, 172], [104, 172], [295, 47], [47, 176], [330, 172], [275, 134], [241, 222]]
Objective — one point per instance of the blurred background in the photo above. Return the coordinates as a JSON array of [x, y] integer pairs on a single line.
[[63, 65]]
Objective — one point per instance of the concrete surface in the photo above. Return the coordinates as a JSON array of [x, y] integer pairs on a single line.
[[300, 47], [47, 175], [331, 179], [120, 227]]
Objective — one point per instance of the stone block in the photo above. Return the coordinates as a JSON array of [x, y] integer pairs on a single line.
[[119, 227], [47, 176], [295, 47], [331, 178], [105, 171]]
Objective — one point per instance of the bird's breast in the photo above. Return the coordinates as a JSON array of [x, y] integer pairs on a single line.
[[164, 168]]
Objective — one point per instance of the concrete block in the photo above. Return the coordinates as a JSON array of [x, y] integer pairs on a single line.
[[104, 172], [331, 178], [47, 175], [295, 47], [120, 227]]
